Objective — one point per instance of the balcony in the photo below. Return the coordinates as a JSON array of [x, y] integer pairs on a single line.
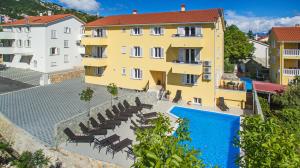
[[186, 68], [90, 40], [94, 62], [7, 35], [291, 53], [186, 41], [291, 72], [7, 50]]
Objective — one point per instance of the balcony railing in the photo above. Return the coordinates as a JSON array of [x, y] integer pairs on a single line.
[[291, 52], [291, 72], [192, 62]]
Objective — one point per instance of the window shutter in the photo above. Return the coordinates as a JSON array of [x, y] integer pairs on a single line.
[[198, 31], [162, 52], [183, 78], [197, 58], [196, 79], [141, 74], [152, 31], [132, 51], [180, 31], [57, 51], [141, 30], [141, 51], [181, 55], [132, 73], [162, 31], [50, 51], [131, 31], [151, 52]]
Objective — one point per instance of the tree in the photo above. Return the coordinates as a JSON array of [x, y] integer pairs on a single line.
[[267, 144], [157, 147], [113, 90], [237, 45], [31, 160], [86, 96], [250, 34]]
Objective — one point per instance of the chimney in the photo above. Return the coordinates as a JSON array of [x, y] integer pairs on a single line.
[[297, 25], [49, 13], [182, 9], [134, 12]]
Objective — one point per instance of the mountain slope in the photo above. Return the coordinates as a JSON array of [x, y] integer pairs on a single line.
[[18, 8]]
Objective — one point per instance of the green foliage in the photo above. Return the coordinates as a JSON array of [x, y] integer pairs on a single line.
[[237, 45], [16, 9], [290, 119], [290, 97], [265, 107], [113, 90], [228, 67], [31, 160], [267, 144], [158, 148], [250, 34], [86, 95]]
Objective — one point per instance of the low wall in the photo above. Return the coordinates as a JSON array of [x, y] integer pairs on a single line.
[[23, 141], [233, 98], [61, 76], [256, 106]]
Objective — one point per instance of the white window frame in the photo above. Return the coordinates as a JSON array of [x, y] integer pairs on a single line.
[[99, 71], [197, 101], [123, 49], [181, 31], [27, 43], [136, 31], [136, 51], [53, 34], [66, 43], [27, 29], [98, 52], [56, 51], [19, 43], [190, 79], [67, 30], [99, 32], [157, 52], [123, 71], [136, 74], [66, 58], [157, 31], [19, 29]]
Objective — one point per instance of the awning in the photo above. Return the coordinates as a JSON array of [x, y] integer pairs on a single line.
[[268, 87]]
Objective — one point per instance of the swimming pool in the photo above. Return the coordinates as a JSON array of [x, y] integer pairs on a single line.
[[248, 83], [213, 134]]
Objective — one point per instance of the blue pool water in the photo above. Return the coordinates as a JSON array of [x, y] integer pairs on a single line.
[[213, 134], [248, 83]]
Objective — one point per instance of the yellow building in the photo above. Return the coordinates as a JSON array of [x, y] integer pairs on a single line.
[[284, 54], [177, 51]]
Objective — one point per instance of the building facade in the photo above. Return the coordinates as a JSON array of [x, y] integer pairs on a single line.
[[43, 43], [177, 51], [284, 54]]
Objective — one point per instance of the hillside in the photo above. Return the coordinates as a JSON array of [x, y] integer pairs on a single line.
[[18, 8]]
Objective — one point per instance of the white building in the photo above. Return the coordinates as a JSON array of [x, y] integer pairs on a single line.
[[261, 53], [43, 43]]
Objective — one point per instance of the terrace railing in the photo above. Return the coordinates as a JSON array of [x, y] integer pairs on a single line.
[[291, 72], [291, 52]]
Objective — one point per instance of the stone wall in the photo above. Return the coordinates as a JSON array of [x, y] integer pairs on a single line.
[[23, 141], [73, 122], [61, 76]]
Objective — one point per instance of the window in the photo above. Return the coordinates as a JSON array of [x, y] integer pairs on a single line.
[[157, 31], [66, 43], [19, 29], [189, 79], [189, 56], [123, 50], [53, 64], [123, 71], [99, 71], [27, 43], [67, 30], [53, 34], [98, 52], [26, 59], [8, 57], [189, 31], [54, 51], [27, 29], [66, 59], [136, 51], [100, 32], [197, 101], [19, 43], [136, 74], [136, 31], [82, 31], [157, 52]]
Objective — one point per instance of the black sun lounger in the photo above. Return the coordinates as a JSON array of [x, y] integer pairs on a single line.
[[102, 120], [115, 148], [87, 131], [177, 96], [119, 113], [141, 105], [134, 109], [222, 105], [135, 126], [78, 138], [110, 115], [95, 124], [106, 141]]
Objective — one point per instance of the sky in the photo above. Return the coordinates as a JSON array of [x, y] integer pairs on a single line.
[[256, 15]]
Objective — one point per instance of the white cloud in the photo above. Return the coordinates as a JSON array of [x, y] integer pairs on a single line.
[[258, 24], [85, 5]]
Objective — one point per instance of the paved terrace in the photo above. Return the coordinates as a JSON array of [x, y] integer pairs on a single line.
[[38, 109]]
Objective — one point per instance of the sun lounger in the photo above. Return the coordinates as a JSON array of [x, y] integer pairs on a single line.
[[141, 105], [177, 96], [106, 141], [222, 105], [135, 126], [119, 113], [147, 115], [95, 124], [146, 120], [130, 153], [104, 121], [115, 148], [78, 138], [133, 108], [110, 115], [87, 131], [125, 110]]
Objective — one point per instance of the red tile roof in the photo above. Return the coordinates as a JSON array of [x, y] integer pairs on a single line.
[[37, 20], [194, 16], [268, 87], [287, 33]]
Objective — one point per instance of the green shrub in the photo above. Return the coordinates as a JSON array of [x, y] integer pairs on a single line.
[[228, 67], [265, 107]]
